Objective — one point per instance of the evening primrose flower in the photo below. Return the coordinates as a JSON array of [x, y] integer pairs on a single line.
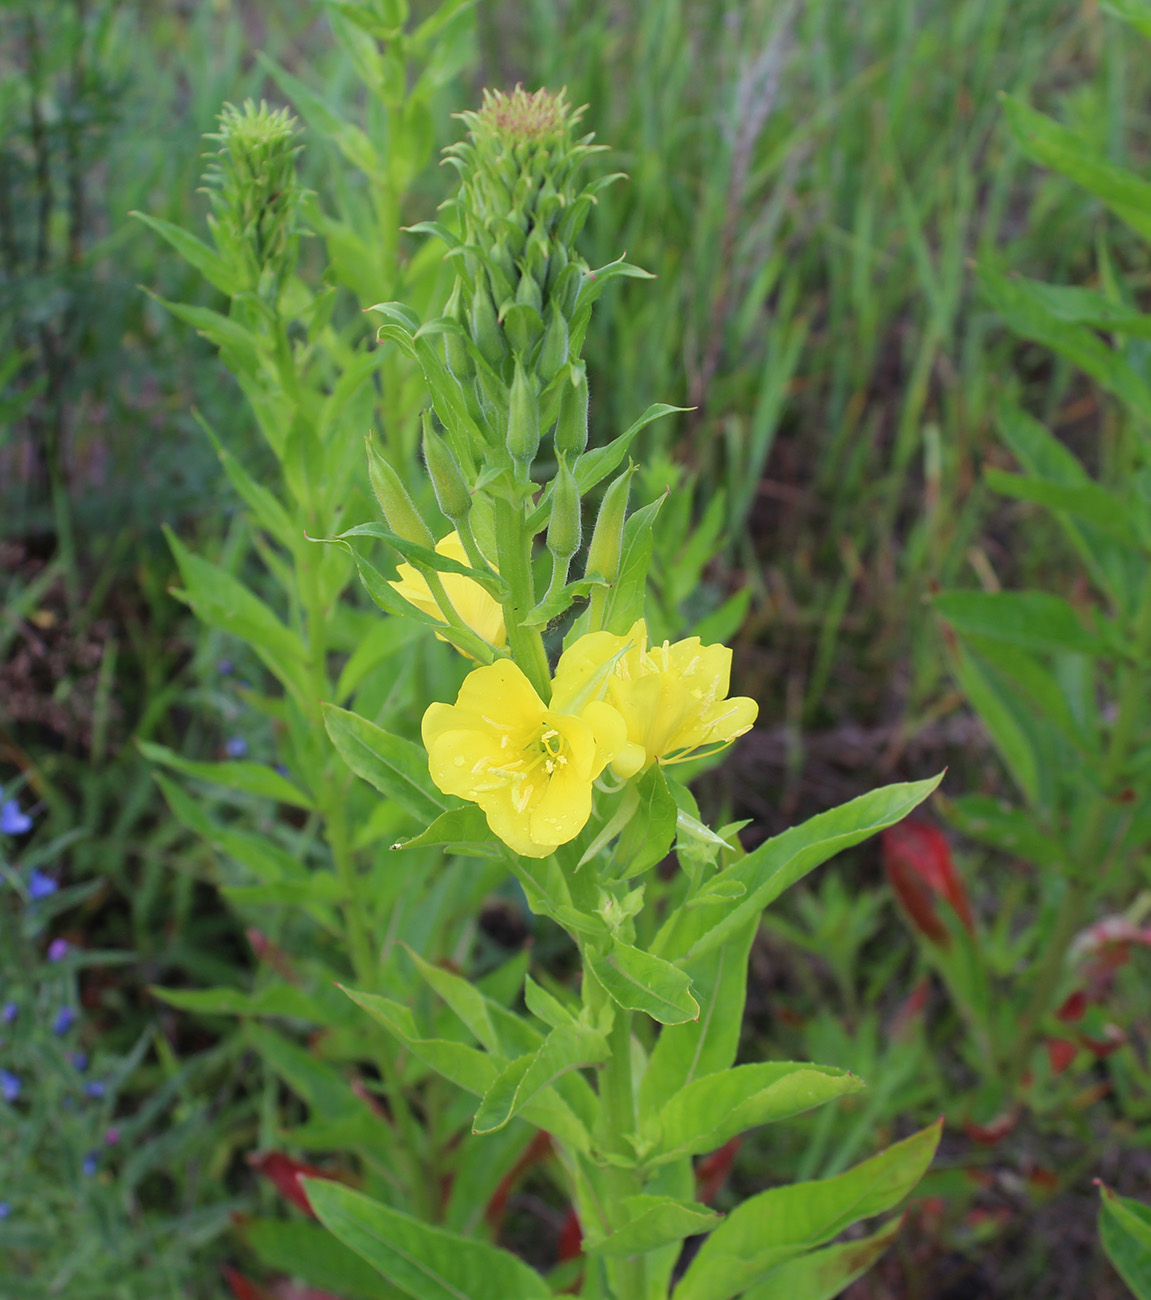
[[529, 767], [478, 609], [673, 698]]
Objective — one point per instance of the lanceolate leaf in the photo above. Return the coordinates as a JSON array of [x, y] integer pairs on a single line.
[[309, 1251], [1034, 620], [249, 778], [397, 767], [460, 830], [784, 1222], [1125, 1231], [824, 1274], [640, 982], [566, 1048], [776, 865], [655, 1221], [707, 1112], [424, 1262]]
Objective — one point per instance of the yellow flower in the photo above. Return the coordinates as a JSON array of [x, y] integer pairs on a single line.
[[672, 697], [479, 610], [529, 767]]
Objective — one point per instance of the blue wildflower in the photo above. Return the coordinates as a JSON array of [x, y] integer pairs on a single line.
[[280, 768], [224, 668], [12, 820], [40, 885], [65, 1019], [94, 1088], [79, 1061], [9, 1013], [91, 1163], [237, 747], [9, 1085], [58, 949], [5, 1209]]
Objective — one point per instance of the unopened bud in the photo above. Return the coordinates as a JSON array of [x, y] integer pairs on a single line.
[[485, 327], [554, 349], [399, 510], [607, 541], [523, 417], [571, 423], [451, 491], [455, 350], [565, 527]]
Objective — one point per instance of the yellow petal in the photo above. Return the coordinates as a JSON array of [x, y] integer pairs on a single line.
[[561, 811], [609, 729]]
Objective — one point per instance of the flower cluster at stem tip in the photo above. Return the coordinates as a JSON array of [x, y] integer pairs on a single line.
[[531, 766]]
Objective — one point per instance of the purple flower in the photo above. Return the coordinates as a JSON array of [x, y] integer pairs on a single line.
[[58, 949], [224, 668], [65, 1019], [9, 1013], [79, 1061], [91, 1163], [40, 885], [5, 1209], [12, 820], [112, 1136], [9, 1085], [94, 1088], [237, 747]]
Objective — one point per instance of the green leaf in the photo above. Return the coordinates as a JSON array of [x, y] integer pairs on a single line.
[[1027, 316], [310, 1252], [784, 1222], [992, 822], [249, 778], [568, 1047], [1062, 150], [460, 830], [777, 864], [425, 1262], [824, 1274], [356, 147], [998, 714], [684, 1052], [206, 260], [647, 837], [638, 981], [495, 1027], [1035, 620], [471, 1069], [708, 1111], [1125, 1231], [1088, 501], [1135, 12], [276, 1000], [625, 600], [417, 554], [397, 767], [655, 1221], [238, 346]]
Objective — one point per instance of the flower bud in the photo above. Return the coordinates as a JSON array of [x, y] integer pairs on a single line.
[[607, 541], [455, 350], [554, 349], [452, 493], [571, 423], [523, 417], [565, 527], [485, 327], [399, 510]]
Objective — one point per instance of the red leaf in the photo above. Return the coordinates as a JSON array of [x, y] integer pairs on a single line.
[[571, 1237], [917, 861], [1060, 1052], [1073, 1008], [988, 1135], [712, 1171], [241, 1287], [910, 1009], [536, 1151], [285, 1173]]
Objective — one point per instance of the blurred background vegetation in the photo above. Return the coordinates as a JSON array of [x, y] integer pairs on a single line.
[[813, 184]]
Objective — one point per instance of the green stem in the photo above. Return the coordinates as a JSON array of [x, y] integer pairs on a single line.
[[515, 564], [618, 1118]]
